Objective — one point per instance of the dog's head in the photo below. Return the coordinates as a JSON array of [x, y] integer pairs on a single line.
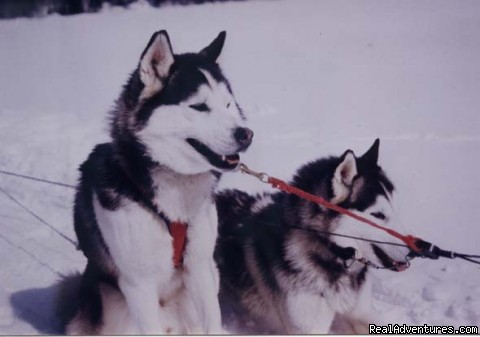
[[360, 185], [181, 111]]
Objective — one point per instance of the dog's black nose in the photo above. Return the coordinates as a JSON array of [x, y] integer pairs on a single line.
[[243, 136]]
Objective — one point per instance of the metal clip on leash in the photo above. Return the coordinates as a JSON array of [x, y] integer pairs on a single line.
[[262, 176]]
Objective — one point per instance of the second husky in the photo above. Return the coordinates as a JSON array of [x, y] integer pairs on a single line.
[[283, 269]]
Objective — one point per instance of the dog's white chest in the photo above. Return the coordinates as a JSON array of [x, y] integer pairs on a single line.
[[182, 198], [138, 240]]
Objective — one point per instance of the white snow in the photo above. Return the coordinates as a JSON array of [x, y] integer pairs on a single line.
[[314, 77]]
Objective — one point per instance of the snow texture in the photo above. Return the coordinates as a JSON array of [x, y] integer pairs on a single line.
[[314, 77]]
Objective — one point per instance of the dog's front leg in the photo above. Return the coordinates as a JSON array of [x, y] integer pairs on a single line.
[[364, 314], [201, 274], [204, 294], [309, 313], [142, 300]]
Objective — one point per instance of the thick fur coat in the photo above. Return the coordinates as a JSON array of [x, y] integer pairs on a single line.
[[175, 128], [283, 267]]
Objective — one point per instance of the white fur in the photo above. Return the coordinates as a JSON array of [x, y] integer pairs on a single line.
[[352, 227], [155, 65], [154, 297], [169, 127], [141, 247], [343, 177], [307, 301], [309, 313], [261, 203]]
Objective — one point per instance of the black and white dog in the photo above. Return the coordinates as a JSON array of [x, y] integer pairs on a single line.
[[282, 269], [175, 127]]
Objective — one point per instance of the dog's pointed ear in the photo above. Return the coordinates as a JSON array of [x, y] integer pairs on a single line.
[[370, 158], [155, 63], [213, 50], [343, 177]]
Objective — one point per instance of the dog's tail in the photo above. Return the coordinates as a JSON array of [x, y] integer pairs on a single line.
[[67, 301]]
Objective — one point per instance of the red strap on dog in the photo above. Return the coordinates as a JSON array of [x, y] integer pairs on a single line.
[[410, 240], [178, 231], [421, 247]]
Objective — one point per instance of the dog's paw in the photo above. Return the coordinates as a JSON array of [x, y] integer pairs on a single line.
[[360, 327], [169, 331]]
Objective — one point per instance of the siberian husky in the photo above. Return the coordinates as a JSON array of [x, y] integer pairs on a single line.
[[282, 269], [175, 127]]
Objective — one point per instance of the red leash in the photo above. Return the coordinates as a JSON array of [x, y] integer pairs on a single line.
[[411, 241]]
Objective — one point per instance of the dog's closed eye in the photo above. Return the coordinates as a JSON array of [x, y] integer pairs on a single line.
[[202, 107], [378, 215]]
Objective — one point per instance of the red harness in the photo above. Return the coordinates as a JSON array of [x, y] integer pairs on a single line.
[[178, 231]]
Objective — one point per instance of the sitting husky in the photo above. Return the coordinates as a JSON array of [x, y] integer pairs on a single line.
[[282, 269], [175, 128]]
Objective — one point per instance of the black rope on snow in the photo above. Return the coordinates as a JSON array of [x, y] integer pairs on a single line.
[[466, 255], [468, 259], [36, 216], [26, 252], [51, 182]]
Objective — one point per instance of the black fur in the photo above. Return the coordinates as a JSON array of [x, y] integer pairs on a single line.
[[212, 51], [121, 170], [265, 233], [104, 175], [182, 82]]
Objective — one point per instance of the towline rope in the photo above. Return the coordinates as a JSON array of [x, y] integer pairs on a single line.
[[418, 247], [38, 217], [28, 210], [24, 176]]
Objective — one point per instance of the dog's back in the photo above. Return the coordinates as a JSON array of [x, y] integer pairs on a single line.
[[249, 249]]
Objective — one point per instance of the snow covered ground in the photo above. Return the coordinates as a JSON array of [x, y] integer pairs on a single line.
[[315, 77]]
